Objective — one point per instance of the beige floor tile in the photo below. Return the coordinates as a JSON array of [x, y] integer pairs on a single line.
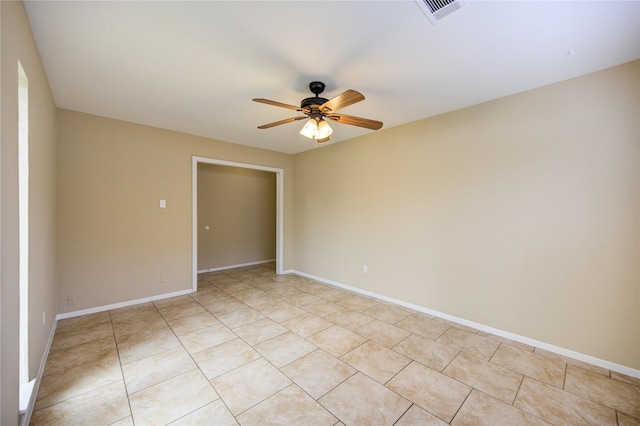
[[213, 414], [333, 294], [223, 358], [284, 313], [307, 324], [625, 420], [75, 381], [206, 338], [301, 298], [237, 287], [210, 295], [336, 340], [240, 274], [240, 317], [541, 368], [135, 313], [423, 326], [299, 283], [624, 378], [281, 290], [83, 321], [323, 308], [376, 361], [481, 409], [416, 416], [250, 384], [426, 351], [151, 339], [80, 354], [492, 379], [266, 302], [101, 406], [594, 368], [183, 310], [148, 345], [318, 372], [136, 329], [281, 278], [362, 401], [77, 336], [225, 281], [260, 331], [313, 287], [349, 319], [188, 323], [479, 346], [357, 303], [622, 396], [285, 348], [259, 279], [561, 407], [388, 313], [383, 333], [432, 391], [152, 370], [504, 340], [172, 399], [224, 306], [127, 421], [173, 301], [290, 406], [251, 294], [455, 325]]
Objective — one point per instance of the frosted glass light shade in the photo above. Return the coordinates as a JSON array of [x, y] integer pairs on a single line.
[[324, 130], [310, 129]]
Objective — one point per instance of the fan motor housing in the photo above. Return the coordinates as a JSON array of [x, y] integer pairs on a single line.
[[316, 100]]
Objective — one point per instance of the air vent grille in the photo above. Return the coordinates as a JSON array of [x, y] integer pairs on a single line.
[[438, 9]]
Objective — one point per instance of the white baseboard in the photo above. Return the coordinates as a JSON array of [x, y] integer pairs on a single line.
[[623, 369], [122, 304], [241, 265], [26, 419]]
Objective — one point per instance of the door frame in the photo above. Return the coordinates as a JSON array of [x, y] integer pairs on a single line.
[[195, 160]]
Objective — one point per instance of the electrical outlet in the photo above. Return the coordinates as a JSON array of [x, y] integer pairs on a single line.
[[365, 269], [71, 300], [44, 318]]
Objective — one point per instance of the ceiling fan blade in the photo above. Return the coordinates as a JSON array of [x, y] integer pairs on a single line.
[[344, 99], [356, 121], [285, 121], [279, 104]]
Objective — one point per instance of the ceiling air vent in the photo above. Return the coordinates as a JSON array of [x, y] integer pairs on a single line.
[[438, 9]]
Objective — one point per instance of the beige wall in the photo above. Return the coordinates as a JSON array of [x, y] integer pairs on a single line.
[[239, 207], [116, 244], [18, 44], [521, 214]]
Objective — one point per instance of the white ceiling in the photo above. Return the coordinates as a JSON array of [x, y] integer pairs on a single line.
[[195, 66]]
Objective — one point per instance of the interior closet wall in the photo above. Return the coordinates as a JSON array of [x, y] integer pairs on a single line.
[[238, 206]]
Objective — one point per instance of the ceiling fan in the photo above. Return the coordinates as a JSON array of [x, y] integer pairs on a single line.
[[316, 109]]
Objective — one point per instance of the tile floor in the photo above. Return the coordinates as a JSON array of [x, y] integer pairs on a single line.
[[254, 348]]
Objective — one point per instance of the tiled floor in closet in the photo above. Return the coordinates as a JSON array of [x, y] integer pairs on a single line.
[[255, 348]]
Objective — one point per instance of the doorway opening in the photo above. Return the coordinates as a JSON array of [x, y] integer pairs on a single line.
[[26, 386], [279, 202]]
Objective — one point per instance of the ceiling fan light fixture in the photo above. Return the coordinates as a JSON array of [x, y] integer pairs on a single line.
[[316, 109], [310, 129], [324, 130]]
